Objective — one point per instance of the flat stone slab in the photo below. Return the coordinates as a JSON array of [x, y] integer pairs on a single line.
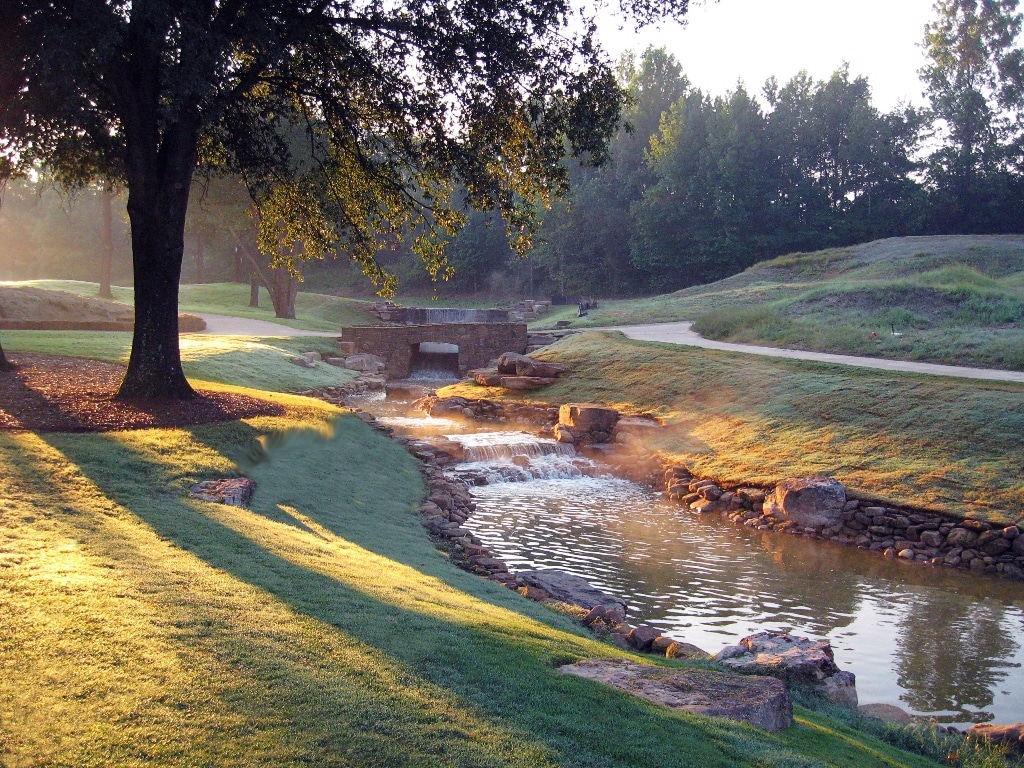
[[762, 702], [569, 588]]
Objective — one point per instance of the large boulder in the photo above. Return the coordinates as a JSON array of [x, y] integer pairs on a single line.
[[364, 362], [525, 382], [235, 491], [514, 364], [587, 422], [569, 588], [762, 702], [793, 659], [508, 362], [812, 502], [527, 366], [1012, 736], [486, 377]]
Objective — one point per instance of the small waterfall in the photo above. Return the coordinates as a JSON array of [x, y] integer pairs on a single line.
[[435, 361], [494, 446], [519, 469], [509, 457]]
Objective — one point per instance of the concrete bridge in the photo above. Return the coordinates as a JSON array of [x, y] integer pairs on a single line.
[[467, 345]]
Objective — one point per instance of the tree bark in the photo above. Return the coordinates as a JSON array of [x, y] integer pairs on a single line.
[[107, 252], [4, 364], [157, 202], [160, 161], [254, 289], [283, 293], [158, 246]]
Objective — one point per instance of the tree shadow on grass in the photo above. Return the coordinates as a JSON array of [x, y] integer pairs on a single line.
[[418, 686]]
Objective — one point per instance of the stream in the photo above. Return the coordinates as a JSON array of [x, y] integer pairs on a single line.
[[935, 642]]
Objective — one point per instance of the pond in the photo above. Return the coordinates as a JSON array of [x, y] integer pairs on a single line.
[[938, 643]]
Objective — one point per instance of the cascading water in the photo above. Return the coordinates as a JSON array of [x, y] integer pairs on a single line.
[[505, 457], [928, 640]]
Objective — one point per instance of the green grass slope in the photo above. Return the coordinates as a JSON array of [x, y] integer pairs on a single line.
[[956, 300], [314, 311], [318, 628], [948, 444]]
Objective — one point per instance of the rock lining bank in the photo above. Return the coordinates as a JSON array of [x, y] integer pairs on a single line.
[[901, 532], [449, 504]]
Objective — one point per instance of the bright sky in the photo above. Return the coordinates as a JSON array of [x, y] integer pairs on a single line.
[[728, 40]]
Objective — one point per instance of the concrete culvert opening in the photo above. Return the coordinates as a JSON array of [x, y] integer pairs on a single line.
[[435, 360]]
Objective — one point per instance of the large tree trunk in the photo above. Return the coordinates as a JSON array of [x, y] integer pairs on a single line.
[[158, 189], [283, 293], [4, 365], [158, 246], [107, 252]]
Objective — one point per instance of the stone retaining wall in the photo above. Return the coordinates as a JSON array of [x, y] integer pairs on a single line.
[[900, 532]]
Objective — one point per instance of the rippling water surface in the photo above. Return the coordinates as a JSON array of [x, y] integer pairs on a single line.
[[935, 642], [916, 637]]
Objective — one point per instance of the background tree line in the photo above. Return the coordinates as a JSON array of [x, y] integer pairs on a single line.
[[701, 186], [697, 186]]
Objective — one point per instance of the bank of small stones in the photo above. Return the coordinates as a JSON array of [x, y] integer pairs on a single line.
[[897, 532]]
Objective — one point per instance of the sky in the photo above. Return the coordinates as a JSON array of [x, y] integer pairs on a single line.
[[729, 40]]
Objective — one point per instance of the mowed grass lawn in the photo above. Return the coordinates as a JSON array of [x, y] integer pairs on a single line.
[[955, 445], [320, 627], [314, 311], [952, 299]]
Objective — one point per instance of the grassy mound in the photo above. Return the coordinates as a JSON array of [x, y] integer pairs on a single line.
[[315, 312], [28, 302], [946, 444], [955, 300]]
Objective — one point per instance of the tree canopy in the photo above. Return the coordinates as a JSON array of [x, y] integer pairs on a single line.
[[351, 122], [974, 80]]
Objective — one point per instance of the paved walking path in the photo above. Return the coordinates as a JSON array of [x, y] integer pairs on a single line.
[[672, 333], [681, 333], [223, 325]]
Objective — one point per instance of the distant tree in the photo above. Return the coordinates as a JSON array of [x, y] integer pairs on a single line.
[[974, 80], [716, 179], [735, 183], [845, 168], [107, 245], [585, 241], [399, 102]]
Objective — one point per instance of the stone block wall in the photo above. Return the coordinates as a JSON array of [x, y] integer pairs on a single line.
[[478, 343]]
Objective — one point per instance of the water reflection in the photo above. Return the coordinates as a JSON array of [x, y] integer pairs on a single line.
[[926, 639], [916, 637], [951, 656]]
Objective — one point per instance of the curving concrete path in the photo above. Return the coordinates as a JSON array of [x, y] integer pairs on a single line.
[[671, 333], [681, 333], [225, 325]]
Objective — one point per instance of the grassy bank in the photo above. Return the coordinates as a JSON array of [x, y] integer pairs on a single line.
[[243, 360], [319, 627], [955, 300], [314, 311], [946, 444]]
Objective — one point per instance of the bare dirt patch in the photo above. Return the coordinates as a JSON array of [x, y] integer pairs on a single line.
[[49, 393]]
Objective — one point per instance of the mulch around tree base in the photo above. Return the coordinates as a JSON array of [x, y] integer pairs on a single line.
[[49, 393]]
